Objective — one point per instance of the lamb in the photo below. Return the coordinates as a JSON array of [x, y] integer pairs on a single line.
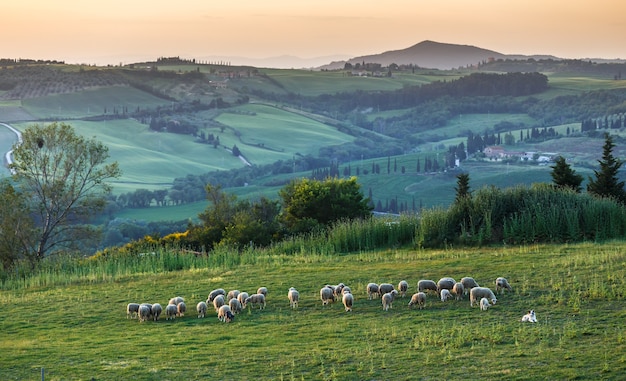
[[232, 294], [348, 301], [384, 288], [372, 289], [426, 284], [502, 284], [387, 299], [214, 293], [445, 284], [242, 298], [144, 312], [256, 299], [225, 314], [218, 302], [418, 299], [481, 292], [182, 308], [458, 290], [445, 295], [327, 295], [530, 317], [262, 290], [171, 311], [403, 287], [201, 307], [156, 311], [175, 300], [293, 295], [235, 305], [468, 283], [132, 310], [484, 304]]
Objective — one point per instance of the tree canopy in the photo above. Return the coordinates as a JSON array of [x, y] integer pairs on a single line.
[[606, 182], [564, 176]]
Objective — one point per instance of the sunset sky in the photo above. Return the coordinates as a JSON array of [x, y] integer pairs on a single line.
[[125, 31]]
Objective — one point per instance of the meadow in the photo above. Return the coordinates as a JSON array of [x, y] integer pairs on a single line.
[[74, 326]]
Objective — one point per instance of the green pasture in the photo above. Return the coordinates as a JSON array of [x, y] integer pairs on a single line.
[[76, 328], [91, 103], [568, 84]]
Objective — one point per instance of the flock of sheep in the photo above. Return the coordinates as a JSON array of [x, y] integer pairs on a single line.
[[227, 304]]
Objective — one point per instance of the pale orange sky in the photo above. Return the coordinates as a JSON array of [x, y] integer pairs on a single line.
[[125, 31]]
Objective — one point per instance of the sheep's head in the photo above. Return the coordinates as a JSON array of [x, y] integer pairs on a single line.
[[494, 300]]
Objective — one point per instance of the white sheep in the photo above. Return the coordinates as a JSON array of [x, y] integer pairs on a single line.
[[372, 290], [218, 301], [171, 311], [262, 290], [144, 312], [347, 300], [403, 287], [426, 284], [182, 308], [484, 304], [384, 288], [446, 283], [338, 289], [445, 295], [235, 305], [530, 317], [132, 310], [224, 314], [327, 295], [418, 299], [293, 295], [477, 293], [468, 283], [232, 294], [458, 290], [387, 299], [175, 300], [502, 284], [149, 309], [156, 311], [256, 299], [201, 307], [242, 298], [346, 290], [214, 293]]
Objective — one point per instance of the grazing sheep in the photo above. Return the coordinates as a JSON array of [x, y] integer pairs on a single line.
[[232, 294], [445, 295], [156, 311], [171, 311], [346, 290], [502, 284], [182, 308], [384, 288], [372, 289], [327, 295], [403, 287], [132, 310], [144, 312], [235, 305], [201, 307], [293, 295], [225, 314], [387, 299], [468, 283], [484, 304], [338, 289], [218, 302], [426, 284], [149, 308], [458, 290], [446, 283], [262, 291], [242, 298], [214, 293], [256, 299], [348, 301], [481, 292], [175, 300], [418, 299], [530, 317]]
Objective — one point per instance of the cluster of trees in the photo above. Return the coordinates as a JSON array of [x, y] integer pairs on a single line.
[[615, 121]]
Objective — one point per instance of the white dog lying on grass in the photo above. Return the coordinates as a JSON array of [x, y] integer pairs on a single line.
[[530, 317]]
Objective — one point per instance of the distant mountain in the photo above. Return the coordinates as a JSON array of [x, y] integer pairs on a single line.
[[433, 55]]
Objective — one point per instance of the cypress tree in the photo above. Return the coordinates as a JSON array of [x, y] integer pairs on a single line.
[[606, 183]]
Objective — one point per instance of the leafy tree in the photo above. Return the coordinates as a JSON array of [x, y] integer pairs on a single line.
[[16, 226], [606, 183], [312, 204], [64, 176], [563, 176], [462, 187]]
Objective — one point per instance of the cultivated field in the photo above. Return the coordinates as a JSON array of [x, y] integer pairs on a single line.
[[78, 330]]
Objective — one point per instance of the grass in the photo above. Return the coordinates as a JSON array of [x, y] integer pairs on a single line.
[[80, 331]]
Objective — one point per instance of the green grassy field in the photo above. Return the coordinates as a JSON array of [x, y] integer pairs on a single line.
[[79, 330]]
